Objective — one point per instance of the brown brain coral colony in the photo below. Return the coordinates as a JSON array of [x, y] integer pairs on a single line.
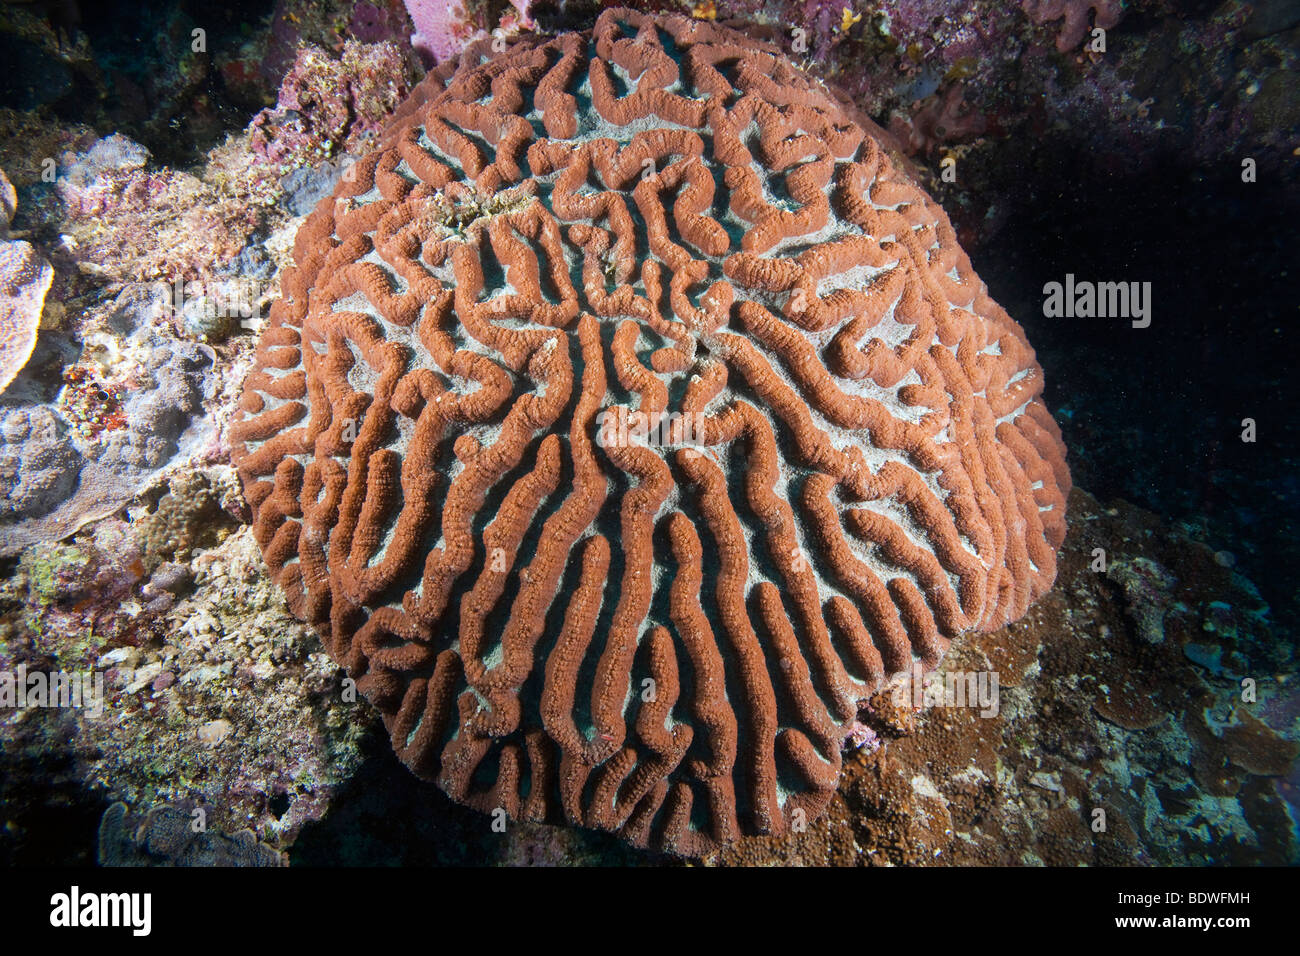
[[627, 419]]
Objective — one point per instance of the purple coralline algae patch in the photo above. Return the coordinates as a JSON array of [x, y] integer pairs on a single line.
[[327, 104]]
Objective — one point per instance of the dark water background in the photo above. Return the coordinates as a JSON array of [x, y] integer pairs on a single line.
[[1155, 415]]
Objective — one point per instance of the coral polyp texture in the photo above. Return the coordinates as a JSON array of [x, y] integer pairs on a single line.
[[627, 419]]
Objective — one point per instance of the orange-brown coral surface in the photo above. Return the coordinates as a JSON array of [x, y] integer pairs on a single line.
[[627, 420]]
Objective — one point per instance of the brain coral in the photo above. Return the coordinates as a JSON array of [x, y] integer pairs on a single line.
[[627, 419]]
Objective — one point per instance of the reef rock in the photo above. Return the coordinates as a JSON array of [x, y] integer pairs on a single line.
[[38, 463], [25, 278], [157, 418], [169, 836]]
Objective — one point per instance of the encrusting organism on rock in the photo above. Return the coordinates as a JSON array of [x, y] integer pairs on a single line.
[[168, 835], [627, 420], [1107, 14]]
